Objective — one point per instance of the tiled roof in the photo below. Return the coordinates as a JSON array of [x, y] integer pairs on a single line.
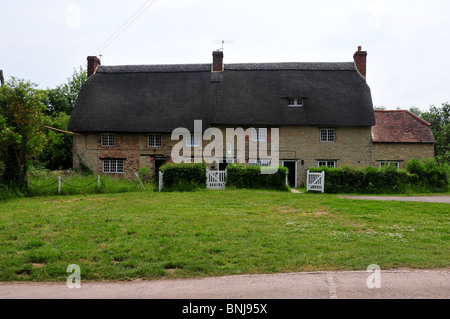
[[400, 126]]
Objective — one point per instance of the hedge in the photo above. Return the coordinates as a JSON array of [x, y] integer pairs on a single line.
[[183, 176], [418, 177], [241, 176]]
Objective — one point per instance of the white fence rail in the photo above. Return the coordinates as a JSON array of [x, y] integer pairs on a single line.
[[216, 179], [315, 181]]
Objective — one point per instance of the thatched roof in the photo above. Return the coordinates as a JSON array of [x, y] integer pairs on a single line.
[[160, 98]]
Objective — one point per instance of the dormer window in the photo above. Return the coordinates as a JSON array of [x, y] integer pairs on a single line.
[[295, 102]]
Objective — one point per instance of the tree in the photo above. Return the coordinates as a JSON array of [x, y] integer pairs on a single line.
[[22, 122], [59, 104], [58, 153], [439, 118], [63, 97]]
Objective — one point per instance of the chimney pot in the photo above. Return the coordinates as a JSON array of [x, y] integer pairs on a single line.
[[217, 65], [360, 58], [92, 64]]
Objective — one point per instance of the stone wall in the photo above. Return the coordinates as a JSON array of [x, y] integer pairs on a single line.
[[401, 152]]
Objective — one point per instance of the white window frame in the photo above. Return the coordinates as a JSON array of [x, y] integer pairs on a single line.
[[108, 140], [396, 163], [326, 137], [193, 140], [156, 138], [113, 166], [259, 134], [295, 102], [327, 163]]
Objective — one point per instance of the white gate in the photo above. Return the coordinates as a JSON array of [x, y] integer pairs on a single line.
[[215, 179], [315, 181]]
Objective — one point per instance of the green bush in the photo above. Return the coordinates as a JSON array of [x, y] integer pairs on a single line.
[[145, 174], [183, 176], [241, 176], [7, 192], [418, 177], [429, 174]]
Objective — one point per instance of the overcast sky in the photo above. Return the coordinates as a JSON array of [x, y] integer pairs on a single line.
[[408, 42]]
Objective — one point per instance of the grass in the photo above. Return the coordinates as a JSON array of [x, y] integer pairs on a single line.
[[155, 235], [46, 184]]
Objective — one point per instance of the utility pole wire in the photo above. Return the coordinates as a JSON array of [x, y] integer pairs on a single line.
[[114, 36]]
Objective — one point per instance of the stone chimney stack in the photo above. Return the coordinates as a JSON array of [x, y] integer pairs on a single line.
[[360, 58], [92, 64], [217, 65]]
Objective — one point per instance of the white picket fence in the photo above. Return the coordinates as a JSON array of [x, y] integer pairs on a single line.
[[215, 179], [315, 181]]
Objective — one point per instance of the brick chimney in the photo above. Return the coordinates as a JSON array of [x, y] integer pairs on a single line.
[[217, 65], [92, 64], [360, 61]]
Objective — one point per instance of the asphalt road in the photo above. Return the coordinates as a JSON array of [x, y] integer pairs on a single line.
[[427, 199], [385, 284]]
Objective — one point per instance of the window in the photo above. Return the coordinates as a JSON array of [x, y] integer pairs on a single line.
[[108, 139], [326, 163], [396, 164], [112, 166], [154, 140], [194, 140], [259, 135], [327, 135], [295, 102], [259, 162]]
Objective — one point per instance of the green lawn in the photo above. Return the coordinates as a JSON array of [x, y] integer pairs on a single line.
[[204, 233]]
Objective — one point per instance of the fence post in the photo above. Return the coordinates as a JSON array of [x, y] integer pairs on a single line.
[[137, 175], [307, 180], [160, 182], [323, 181], [59, 184], [98, 181]]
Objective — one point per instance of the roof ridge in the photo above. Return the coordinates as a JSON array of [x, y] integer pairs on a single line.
[[203, 67], [409, 113]]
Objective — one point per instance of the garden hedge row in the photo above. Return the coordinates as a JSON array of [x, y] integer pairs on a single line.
[[418, 176], [241, 176], [184, 176]]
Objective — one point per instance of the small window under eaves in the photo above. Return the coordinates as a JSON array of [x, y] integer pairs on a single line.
[[295, 102]]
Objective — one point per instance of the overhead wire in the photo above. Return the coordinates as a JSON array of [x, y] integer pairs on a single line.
[[125, 26]]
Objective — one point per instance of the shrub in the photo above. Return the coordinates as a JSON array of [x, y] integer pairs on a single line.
[[241, 176], [429, 174], [184, 176], [145, 174], [418, 177]]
